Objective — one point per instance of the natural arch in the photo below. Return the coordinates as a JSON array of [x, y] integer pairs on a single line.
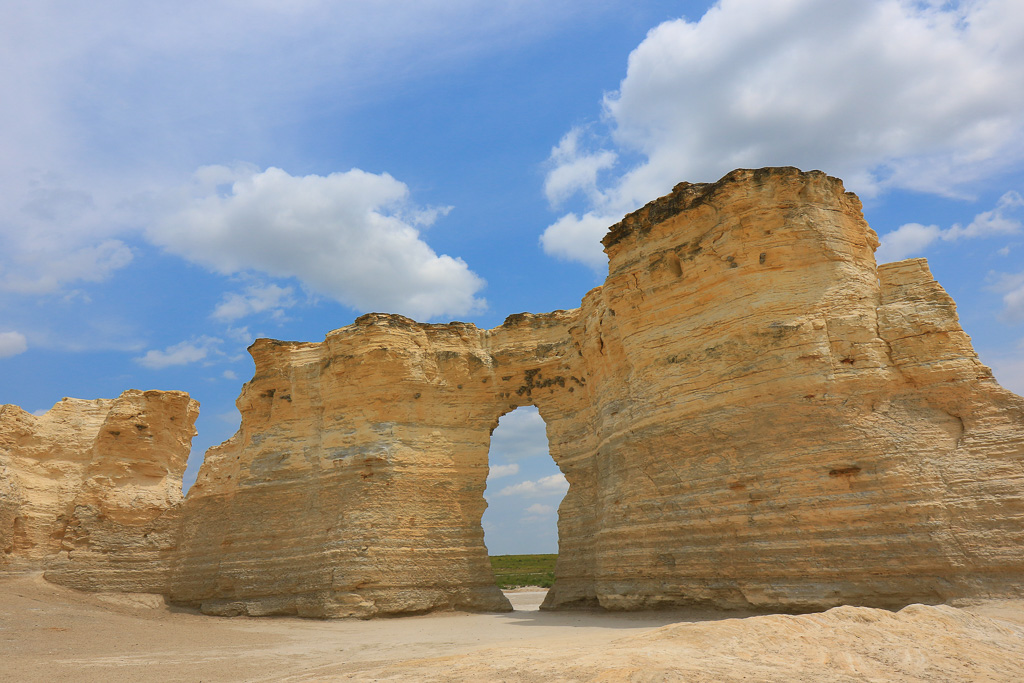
[[747, 412], [743, 350]]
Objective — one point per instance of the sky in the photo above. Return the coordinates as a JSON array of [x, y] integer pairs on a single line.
[[178, 179]]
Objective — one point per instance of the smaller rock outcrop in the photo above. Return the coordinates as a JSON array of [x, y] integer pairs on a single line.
[[88, 490]]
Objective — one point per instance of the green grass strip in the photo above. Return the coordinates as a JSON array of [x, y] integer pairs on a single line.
[[514, 571]]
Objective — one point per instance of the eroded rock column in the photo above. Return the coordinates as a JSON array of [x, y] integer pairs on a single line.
[[89, 490]]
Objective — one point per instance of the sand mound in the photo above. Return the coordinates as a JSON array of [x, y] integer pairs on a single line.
[[918, 643]]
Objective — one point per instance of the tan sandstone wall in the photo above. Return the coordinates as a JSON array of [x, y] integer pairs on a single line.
[[355, 485], [88, 489], [783, 426], [748, 413]]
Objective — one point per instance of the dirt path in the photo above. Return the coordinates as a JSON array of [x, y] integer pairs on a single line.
[[50, 633]]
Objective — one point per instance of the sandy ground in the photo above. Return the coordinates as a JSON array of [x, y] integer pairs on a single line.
[[49, 633]]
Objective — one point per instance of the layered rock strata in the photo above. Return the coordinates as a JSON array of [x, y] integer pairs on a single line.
[[89, 490], [748, 413]]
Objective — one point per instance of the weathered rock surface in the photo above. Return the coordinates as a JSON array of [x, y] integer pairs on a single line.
[[355, 485], [748, 412], [86, 488]]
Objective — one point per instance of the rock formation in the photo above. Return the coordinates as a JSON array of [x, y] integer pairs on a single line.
[[88, 490], [748, 413]]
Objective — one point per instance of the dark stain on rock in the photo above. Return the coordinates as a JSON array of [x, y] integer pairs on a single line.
[[848, 471], [544, 349], [532, 380], [777, 331]]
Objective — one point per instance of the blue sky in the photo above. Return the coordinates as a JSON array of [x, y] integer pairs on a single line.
[[180, 178]]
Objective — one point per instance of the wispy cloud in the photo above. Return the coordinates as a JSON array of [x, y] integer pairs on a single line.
[[256, 299], [554, 485], [499, 471], [538, 512], [183, 353], [1011, 286], [912, 239], [12, 344]]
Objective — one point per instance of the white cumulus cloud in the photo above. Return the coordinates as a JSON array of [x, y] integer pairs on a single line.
[[574, 171], [911, 239], [183, 353], [499, 471], [545, 486], [882, 93], [351, 236], [12, 343], [578, 238], [905, 241]]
